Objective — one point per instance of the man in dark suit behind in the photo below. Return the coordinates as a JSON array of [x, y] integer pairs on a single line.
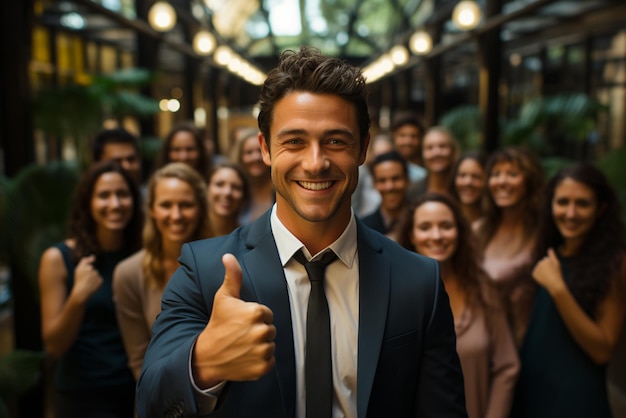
[[391, 179], [230, 340]]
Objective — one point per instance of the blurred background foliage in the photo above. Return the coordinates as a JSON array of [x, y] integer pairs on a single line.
[[559, 129], [75, 112], [19, 371]]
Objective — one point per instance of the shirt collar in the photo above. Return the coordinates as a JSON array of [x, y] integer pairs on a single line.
[[287, 244]]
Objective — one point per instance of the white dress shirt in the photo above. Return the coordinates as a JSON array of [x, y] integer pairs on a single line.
[[342, 292]]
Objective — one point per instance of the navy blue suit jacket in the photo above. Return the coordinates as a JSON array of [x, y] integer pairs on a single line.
[[407, 361]]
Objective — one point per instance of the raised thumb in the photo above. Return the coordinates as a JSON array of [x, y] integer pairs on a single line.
[[232, 276]]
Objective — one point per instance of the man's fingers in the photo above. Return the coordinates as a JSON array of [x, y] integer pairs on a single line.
[[232, 276]]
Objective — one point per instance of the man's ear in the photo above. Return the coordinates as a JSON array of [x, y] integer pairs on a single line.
[[366, 144], [265, 150]]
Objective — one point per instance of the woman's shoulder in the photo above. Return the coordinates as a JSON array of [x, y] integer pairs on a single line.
[[58, 251], [131, 264]]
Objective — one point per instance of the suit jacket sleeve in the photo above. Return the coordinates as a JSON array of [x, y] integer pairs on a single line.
[[440, 390], [164, 388]]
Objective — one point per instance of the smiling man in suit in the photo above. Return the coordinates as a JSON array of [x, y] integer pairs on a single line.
[[231, 340]]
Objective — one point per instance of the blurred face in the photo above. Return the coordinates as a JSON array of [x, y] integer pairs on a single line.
[[225, 192], [315, 153], [379, 147], [406, 139], [183, 149], [175, 210], [469, 181], [507, 184], [392, 183], [126, 156], [434, 231], [574, 209], [437, 152], [111, 202], [251, 158]]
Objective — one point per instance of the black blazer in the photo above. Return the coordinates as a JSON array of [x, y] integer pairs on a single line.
[[407, 361], [375, 221]]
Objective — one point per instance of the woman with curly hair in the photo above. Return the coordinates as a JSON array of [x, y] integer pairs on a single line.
[[176, 213], [79, 327], [185, 143], [484, 342], [507, 232], [579, 308], [467, 184]]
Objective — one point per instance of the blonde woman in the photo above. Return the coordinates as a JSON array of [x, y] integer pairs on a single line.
[[227, 193], [176, 214], [439, 153], [247, 153]]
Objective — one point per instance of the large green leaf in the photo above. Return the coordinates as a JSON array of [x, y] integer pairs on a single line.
[[464, 123], [76, 112], [613, 164], [37, 204]]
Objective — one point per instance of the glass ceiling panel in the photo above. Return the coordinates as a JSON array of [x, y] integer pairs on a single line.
[[337, 27]]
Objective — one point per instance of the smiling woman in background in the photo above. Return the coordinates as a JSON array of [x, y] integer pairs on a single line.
[[439, 152], [227, 193], [77, 312], [247, 153], [484, 343], [177, 213], [579, 309], [507, 232], [467, 184], [185, 144]]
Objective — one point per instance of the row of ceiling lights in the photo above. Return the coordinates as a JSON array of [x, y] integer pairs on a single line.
[[465, 16], [162, 17]]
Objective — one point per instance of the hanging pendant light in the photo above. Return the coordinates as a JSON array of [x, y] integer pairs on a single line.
[[466, 15], [162, 16], [421, 43], [204, 42]]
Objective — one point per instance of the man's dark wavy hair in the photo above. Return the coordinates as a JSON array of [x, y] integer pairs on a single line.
[[307, 70], [602, 251]]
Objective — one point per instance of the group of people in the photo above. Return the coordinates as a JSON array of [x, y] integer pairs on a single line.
[[464, 286], [535, 272], [101, 287]]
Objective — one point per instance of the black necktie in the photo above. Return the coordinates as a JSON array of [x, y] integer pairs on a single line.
[[318, 366]]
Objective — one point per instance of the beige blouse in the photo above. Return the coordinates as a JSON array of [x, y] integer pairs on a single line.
[[489, 362], [136, 308]]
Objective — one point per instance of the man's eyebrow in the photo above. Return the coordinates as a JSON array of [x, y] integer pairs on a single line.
[[285, 132], [329, 132]]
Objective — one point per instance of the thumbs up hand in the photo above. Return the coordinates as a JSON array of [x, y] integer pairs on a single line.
[[238, 342]]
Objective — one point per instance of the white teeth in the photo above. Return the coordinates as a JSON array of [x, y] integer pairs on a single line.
[[316, 185]]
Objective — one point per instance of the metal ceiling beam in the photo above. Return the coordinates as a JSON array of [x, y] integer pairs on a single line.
[[271, 35], [353, 16], [573, 28], [491, 24], [137, 25]]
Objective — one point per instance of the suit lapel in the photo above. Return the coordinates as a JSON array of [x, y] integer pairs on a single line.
[[373, 302], [261, 265]]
